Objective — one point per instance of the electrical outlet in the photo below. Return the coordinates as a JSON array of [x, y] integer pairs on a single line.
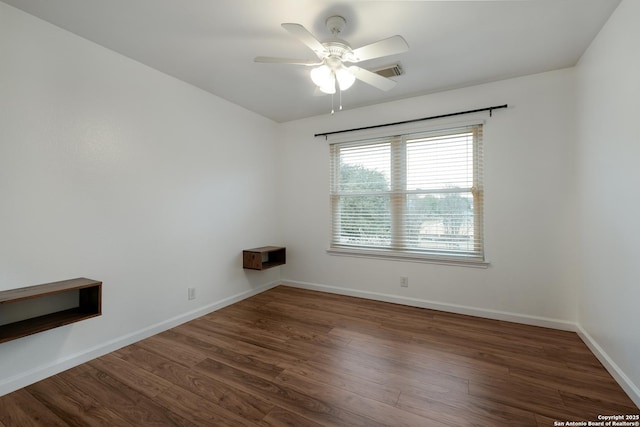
[[192, 293], [404, 282]]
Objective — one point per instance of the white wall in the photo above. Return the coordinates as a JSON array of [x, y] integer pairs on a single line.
[[529, 228], [116, 172], [608, 155]]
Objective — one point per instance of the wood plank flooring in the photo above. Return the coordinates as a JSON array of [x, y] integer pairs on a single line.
[[293, 357]]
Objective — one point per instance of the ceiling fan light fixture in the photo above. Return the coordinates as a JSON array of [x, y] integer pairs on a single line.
[[325, 78], [330, 86], [321, 75], [345, 78]]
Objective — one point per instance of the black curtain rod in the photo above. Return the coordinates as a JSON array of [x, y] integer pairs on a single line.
[[489, 109]]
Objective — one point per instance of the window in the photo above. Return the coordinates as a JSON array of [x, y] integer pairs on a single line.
[[416, 195]]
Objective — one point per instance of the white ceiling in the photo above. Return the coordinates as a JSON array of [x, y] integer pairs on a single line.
[[211, 43]]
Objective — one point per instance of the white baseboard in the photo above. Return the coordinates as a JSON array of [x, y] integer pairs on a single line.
[[36, 374], [451, 308], [618, 374]]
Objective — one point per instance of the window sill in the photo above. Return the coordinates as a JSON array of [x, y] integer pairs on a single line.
[[409, 257]]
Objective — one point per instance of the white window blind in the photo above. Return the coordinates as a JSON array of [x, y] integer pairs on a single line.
[[414, 194]]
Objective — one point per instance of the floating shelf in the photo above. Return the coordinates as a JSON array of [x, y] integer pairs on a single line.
[[89, 305], [264, 257]]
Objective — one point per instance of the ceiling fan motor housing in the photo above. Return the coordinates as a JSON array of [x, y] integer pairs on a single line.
[[337, 50]]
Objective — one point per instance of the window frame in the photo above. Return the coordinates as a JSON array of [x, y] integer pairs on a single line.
[[475, 258]]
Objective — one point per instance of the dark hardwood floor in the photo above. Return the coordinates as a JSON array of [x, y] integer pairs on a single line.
[[292, 357]]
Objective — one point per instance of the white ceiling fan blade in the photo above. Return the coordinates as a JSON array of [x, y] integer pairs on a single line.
[[272, 60], [386, 47], [302, 34], [372, 79]]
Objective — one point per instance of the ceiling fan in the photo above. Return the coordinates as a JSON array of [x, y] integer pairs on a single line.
[[330, 69]]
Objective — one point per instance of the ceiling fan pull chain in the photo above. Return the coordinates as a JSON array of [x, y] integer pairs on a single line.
[[340, 109], [332, 111]]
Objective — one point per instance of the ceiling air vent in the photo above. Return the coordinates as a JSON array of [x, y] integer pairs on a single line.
[[390, 71]]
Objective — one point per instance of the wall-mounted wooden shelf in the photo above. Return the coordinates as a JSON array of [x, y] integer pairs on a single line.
[[264, 257], [89, 305]]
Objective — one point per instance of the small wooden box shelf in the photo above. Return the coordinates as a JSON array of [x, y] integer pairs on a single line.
[[264, 257], [89, 305]]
